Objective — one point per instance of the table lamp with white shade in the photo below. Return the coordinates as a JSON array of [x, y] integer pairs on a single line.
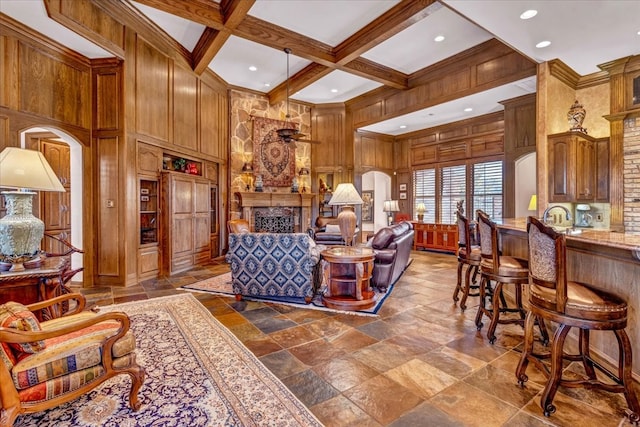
[[346, 195], [390, 206], [20, 231]]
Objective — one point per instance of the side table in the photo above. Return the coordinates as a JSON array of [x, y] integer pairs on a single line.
[[347, 272], [35, 284]]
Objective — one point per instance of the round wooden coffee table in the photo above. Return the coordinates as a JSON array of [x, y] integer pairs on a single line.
[[347, 272]]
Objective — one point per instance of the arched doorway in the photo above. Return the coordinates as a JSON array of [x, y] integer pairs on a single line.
[[378, 185], [75, 162], [525, 184]]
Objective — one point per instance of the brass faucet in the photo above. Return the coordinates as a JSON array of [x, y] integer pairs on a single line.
[[545, 215]]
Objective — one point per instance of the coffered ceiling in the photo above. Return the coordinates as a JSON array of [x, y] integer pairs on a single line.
[[345, 48]]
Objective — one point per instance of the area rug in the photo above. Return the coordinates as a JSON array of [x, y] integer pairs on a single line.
[[198, 374], [221, 285]]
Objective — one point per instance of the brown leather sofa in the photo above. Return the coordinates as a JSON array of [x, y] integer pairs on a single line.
[[392, 246], [324, 235]]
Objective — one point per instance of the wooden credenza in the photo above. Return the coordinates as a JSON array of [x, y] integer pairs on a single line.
[[438, 237]]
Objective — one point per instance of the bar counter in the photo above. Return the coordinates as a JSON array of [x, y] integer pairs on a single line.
[[606, 260]]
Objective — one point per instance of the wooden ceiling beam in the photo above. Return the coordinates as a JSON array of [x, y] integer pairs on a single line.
[[209, 44], [374, 71], [271, 35], [395, 20], [205, 12], [212, 40], [299, 81], [235, 11]]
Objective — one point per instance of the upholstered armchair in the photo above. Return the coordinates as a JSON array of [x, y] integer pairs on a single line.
[[279, 266], [45, 364]]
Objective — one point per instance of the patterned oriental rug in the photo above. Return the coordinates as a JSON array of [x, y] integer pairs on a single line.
[[221, 285], [198, 374]]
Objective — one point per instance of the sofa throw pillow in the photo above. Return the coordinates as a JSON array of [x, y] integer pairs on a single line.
[[17, 316], [332, 228]]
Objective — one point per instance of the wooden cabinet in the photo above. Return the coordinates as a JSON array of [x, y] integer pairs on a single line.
[[439, 237], [186, 229], [149, 225], [579, 168]]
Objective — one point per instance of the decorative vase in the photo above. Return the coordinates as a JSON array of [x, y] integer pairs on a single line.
[[258, 184], [575, 116]]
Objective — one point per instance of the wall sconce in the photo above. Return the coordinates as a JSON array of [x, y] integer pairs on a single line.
[[247, 171]]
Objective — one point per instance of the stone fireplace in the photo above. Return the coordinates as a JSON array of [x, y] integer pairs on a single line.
[[277, 212]]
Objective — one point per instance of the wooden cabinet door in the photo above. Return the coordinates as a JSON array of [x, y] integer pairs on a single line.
[[56, 210], [585, 169], [562, 168], [59, 157]]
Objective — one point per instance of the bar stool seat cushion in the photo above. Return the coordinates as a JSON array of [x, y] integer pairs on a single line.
[[472, 255], [509, 266], [583, 302]]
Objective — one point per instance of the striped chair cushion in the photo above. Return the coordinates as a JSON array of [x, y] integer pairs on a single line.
[[74, 352]]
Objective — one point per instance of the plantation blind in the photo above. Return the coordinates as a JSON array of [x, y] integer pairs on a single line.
[[424, 191], [487, 188], [453, 187]]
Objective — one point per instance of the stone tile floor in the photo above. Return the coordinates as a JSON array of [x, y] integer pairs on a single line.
[[420, 362]]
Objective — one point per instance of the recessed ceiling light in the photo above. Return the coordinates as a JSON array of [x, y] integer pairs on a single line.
[[403, 126], [253, 68], [528, 14], [468, 109], [439, 38], [639, 33], [543, 44], [334, 90]]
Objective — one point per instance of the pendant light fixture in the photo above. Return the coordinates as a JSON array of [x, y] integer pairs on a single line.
[[288, 134]]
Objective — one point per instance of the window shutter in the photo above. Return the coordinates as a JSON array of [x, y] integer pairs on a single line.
[[424, 191], [453, 187], [487, 188]]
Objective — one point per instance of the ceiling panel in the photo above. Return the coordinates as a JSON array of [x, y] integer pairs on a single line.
[[329, 21], [414, 48]]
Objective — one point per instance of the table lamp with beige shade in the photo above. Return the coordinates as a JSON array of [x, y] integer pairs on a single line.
[[420, 210], [533, 203], [20, 231], [390, 206], [346, 195]]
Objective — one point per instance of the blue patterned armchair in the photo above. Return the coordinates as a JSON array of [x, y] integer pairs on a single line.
[[279, 266]]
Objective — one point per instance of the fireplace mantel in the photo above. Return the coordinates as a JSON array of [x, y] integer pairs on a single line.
[[250, 200]]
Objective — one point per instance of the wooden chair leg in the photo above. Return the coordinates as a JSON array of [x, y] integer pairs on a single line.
[[555, 374], [459, 282], [624, 373], [583, 344], [527, 349], [467, 287], [483, 299], [495, 316]]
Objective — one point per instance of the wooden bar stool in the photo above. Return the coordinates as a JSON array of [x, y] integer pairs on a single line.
[[502, 270], [571, 304], [469, 257]]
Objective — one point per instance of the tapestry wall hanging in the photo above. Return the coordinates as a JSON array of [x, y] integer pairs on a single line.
[[274, 159]]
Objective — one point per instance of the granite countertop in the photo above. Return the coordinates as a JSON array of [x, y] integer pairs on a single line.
[[594, 236]]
